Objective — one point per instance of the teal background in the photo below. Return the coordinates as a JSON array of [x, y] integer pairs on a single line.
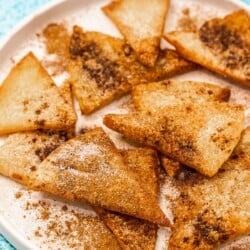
[[11, 13]]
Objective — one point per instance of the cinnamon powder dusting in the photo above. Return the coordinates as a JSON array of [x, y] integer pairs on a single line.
[[65, 227], [229, 43], [18, 195]]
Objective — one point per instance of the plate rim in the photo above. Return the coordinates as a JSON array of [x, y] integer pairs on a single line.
[[241, 4], [16, 240], [6, 228]]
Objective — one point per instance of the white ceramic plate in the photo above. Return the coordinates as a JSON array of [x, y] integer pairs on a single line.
[[20, 222]]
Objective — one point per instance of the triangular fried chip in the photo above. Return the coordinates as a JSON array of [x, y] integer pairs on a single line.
[[158, 95], [141, 23], [57, 39], [30, 100], [221, 45], [89, 168], [130, 232], [201, 136], [153, 97], [103, 68], [210, 211], [21, 153]]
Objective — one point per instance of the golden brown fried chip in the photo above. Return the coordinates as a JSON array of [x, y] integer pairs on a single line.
[[158, 95], [221, 45], [153, 97], [30, 100], [141, 23], [21, 153], [103, 68], [57, 39], [144, 163], [201, 136], [89, 168], [133, 233], [210, 211]]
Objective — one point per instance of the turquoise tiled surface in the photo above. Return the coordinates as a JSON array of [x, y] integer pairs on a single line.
[[12, 12], [4, 245]]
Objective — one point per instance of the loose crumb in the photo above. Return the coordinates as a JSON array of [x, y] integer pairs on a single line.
[[187, 22], [18, 195], [68, 228]]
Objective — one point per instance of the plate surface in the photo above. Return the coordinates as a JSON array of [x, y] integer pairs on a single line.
[[21, 211]]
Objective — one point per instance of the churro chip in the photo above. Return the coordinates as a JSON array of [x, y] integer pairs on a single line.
[[130, 232], [21, 153], [144, 163], [158, 95], [210, 211], [89, 168], [201, 136], [153, 97], [221, 45], [103, 68], [141, 23], [30, 100]]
